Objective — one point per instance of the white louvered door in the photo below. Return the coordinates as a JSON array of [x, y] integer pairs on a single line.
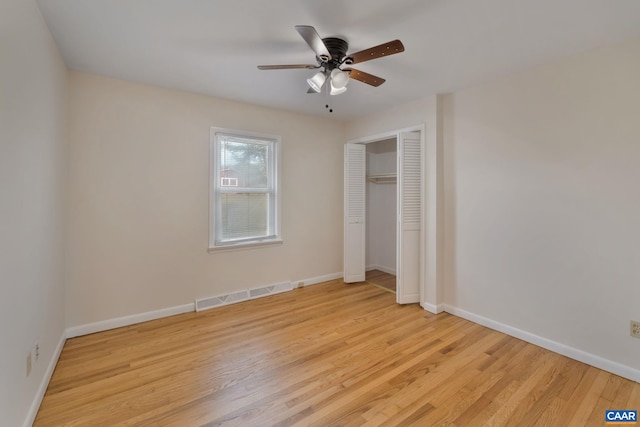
[[409, 217], [354, 212]]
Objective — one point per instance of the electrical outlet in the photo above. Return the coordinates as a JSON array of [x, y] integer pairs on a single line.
[[37, 351], [28, 363], [635, 329]]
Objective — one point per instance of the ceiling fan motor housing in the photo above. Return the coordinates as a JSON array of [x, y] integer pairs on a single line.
[[338, 49]]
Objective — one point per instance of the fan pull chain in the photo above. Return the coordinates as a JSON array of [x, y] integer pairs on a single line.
[[327, 98]]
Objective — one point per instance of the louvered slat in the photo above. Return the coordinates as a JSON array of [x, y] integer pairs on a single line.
[[356, 183], [411, 182]]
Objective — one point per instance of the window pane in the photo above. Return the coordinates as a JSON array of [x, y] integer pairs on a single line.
[[244, 215], [243, 163]]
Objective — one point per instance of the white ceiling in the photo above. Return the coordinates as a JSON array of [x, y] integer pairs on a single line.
[[213, 46]]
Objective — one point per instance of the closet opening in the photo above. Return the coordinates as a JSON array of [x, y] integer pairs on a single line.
[[384, 212], [381, 213]]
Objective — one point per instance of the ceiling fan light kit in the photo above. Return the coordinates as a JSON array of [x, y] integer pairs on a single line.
[[331, 55]]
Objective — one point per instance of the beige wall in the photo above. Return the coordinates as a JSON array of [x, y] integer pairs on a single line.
[[32, 203], [138, 212], [419, 112], [542, 203]]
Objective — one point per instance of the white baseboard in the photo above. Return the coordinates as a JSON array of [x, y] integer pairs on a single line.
[[42, 388], [382, 268], [433, 308], [320, 279], [573, 353], [119, 322]]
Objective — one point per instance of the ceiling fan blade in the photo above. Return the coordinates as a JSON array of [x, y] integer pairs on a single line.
[[310, 35], [379, 51], [367, 78], [287, 67]]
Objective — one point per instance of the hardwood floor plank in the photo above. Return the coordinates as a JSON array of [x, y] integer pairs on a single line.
[[590, 400], [596, 416], [634, 399], [328, 354]]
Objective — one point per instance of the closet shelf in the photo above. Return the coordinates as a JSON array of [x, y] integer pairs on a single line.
[[382, 178]]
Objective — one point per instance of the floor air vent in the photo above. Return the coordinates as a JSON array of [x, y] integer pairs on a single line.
[[206, 303], [271, 289], [219, 301]]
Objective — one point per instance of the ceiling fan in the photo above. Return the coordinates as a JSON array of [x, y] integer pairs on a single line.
[[331, 55]]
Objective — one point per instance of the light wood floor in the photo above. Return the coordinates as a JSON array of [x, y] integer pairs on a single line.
[[380, 278], [326, 355]]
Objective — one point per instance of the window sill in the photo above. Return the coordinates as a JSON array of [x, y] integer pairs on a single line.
[[243, 246]]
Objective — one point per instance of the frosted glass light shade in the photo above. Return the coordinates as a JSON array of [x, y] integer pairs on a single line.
[[317, 81], [337, 91], [339, 78]]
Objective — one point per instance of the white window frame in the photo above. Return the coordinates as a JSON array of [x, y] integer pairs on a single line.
[[216, 189]]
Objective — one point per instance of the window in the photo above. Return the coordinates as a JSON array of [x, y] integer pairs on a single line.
[[244, 189]]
